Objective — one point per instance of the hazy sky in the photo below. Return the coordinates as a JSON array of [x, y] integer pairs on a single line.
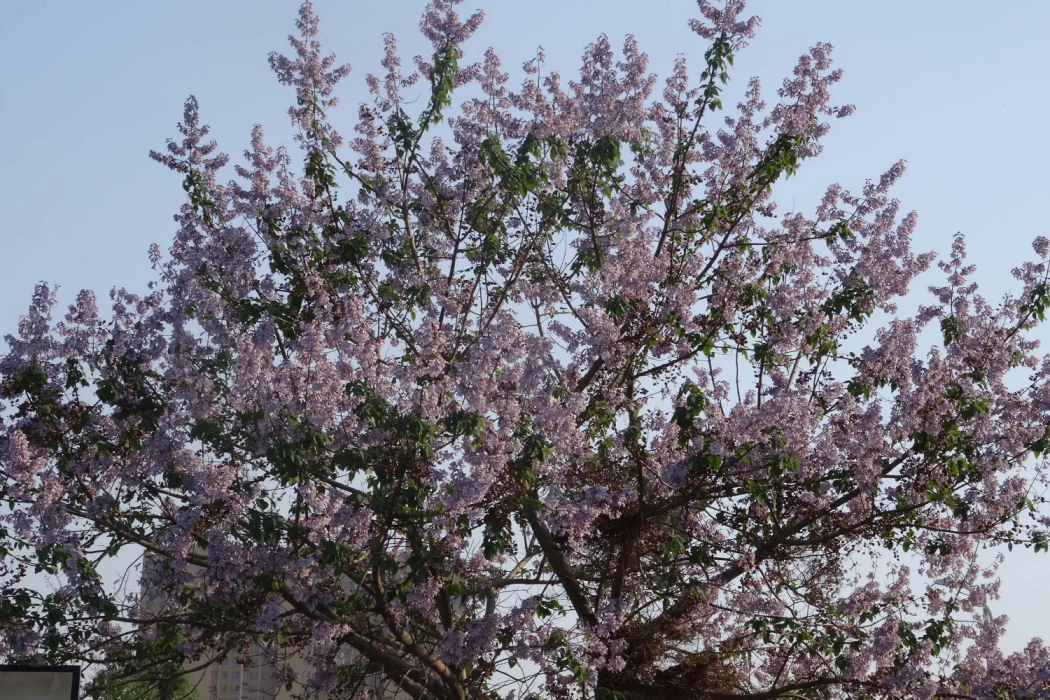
[[955, 87]]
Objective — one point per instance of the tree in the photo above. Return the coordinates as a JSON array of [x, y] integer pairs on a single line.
[[116, 686], [555, 387]]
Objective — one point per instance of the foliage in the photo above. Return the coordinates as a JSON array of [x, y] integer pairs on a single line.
[[172, 687], [537, 398]]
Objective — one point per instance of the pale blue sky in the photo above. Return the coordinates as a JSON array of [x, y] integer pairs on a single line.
[[957, 88]]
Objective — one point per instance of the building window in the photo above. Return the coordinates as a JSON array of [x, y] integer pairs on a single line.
[[224, 689], [235, 675], [225, 674], [253, 675], [235, 688]]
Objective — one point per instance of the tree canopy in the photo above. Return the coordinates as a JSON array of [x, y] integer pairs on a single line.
[[538, 397]]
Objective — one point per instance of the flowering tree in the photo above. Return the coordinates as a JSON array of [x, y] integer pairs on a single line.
[[542, 400]]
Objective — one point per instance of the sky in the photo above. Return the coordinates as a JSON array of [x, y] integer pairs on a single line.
[[956, 88]]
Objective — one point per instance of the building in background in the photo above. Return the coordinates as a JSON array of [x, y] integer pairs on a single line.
[[228, 679]]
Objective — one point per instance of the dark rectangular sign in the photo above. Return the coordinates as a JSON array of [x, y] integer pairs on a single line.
[[39, 682]]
